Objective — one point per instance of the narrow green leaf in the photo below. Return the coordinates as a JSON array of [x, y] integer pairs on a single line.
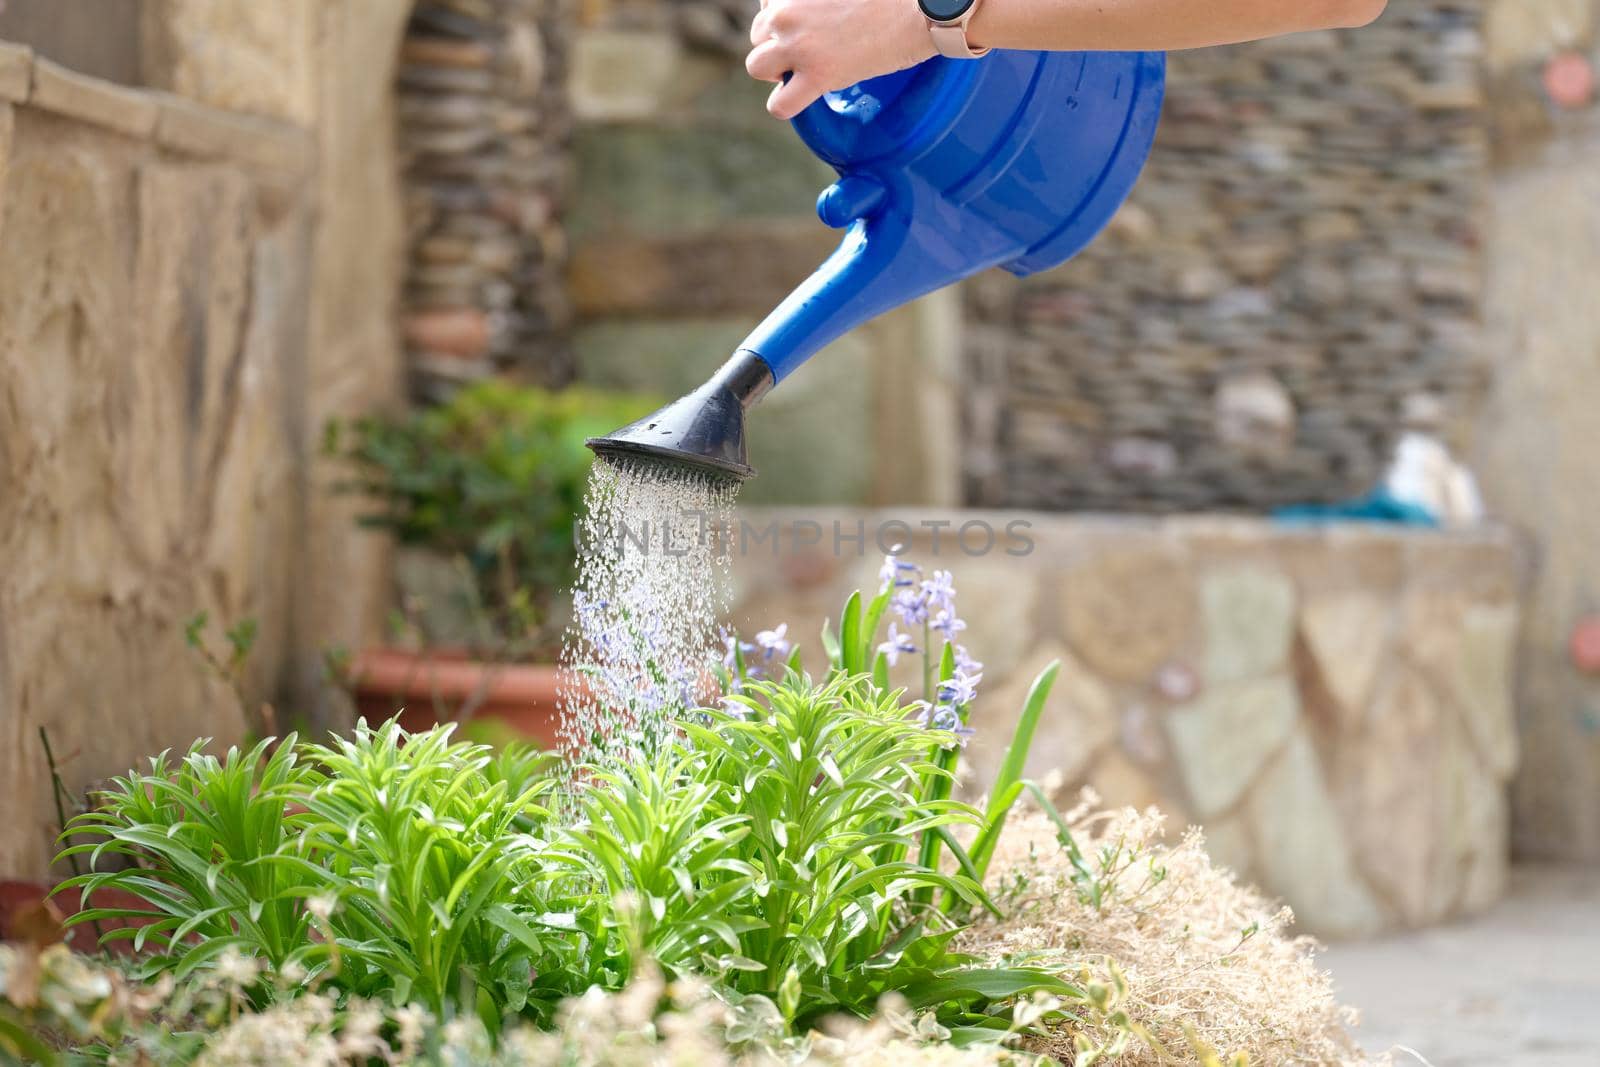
[[830, 643], [850, 636], [987, 986], [869, 626]]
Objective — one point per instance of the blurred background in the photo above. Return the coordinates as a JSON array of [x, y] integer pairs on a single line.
[[252, 256]]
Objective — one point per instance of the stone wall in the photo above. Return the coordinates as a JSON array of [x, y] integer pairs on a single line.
[[484, 132], [1303, 253], [191, 285], [1332, 705], [1537, 443], [154, 253]]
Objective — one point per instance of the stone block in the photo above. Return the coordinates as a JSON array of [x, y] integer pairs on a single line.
[[1228, 844], [16, 72], [663, 180], [1468, 649], [1302, 854], [622, 75], [1128, 612], [995, 599], [1248, 622], [1122, 783], [1469, 862], [244, 56], [690, 274], [1385, 782], [667, 357], [1079, 720], [63, 92], [1222, 740], [207, 133], [1347, 635]]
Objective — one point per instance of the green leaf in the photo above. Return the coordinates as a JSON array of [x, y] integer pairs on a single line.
[[1007, 787], [851, 660], [987, 985], [25, 1045], [869, 626], [880, 672], [830, 643]]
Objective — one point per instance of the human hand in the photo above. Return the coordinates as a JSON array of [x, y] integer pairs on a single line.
[[826, 45]]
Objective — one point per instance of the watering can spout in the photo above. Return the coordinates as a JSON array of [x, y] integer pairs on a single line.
[[702, 432], [947, 169]]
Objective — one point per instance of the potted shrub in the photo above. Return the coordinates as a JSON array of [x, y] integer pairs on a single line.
[[482, 494]]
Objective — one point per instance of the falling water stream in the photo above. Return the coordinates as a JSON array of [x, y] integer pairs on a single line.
[[652, 585]]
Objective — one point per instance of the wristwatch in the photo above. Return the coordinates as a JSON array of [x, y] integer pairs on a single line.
[[947, 25]]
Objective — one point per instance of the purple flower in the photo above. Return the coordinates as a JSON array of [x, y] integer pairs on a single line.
[[965, 664], [960, 689], [911, 606], [940, 589], [733, 650], [773, 643], [941, 717], [950, 720], [893, 573], [947, 623], [898, 642]]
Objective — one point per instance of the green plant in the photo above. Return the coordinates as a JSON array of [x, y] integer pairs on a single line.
[[925, 606], [774, 845], [495, 477], [801, 844], [213, 846], [386, 864], [425, 866]]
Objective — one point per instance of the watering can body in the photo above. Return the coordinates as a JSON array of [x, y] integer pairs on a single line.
[[956, 166], [949, 168]]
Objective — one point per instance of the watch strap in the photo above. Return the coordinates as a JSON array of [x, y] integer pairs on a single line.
[[950, 39], [950, 36]]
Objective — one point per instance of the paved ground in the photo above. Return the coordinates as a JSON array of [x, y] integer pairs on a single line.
[[1517, 987]]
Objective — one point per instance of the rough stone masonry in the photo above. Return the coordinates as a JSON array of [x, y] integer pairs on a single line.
[[1302, 255]]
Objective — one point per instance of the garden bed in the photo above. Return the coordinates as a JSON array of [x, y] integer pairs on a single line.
[[785, 860]]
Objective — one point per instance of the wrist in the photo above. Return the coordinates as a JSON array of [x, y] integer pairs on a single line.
[[914, 30], [947, 23]]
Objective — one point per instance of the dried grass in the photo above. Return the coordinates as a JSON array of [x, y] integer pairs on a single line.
[[1209, 964]]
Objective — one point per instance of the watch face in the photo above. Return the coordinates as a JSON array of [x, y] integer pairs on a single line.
[[945, 10]]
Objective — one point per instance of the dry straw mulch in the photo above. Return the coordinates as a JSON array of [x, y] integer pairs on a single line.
[[1208, 964]]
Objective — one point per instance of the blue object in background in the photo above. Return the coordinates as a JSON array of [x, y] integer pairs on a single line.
[[1016, 160], [1377, 506]]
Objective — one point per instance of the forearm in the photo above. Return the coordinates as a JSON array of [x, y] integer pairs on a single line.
[[1155, 25], [821, 45]]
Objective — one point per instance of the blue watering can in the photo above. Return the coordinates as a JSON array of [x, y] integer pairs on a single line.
[[1016, 160]]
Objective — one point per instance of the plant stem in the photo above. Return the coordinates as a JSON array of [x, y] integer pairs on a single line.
[[927, 661], [58, 790]]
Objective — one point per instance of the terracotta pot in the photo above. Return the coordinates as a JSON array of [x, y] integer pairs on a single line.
[[427, 688], [29, 913]]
